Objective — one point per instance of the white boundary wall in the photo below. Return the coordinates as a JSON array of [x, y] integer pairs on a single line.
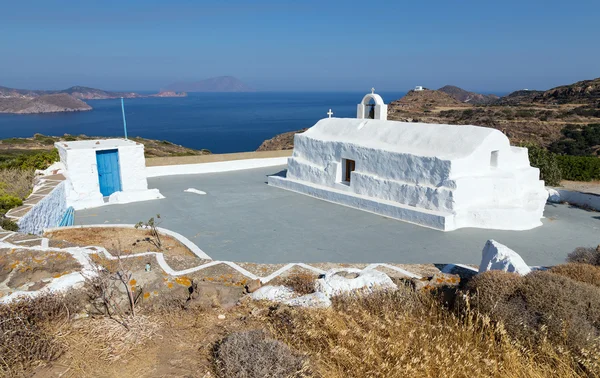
[[575, 198], [46, 213], [221, 166]]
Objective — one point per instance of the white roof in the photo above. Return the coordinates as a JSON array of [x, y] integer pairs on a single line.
[[98, 144], [423, 139]]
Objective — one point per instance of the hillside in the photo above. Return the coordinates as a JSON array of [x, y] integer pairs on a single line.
[[152, 148], [50, 103], [462, 95], [215, 84], [283, 141], [426, 100]]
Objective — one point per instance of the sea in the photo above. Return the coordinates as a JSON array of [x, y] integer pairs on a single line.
[[219, 122]]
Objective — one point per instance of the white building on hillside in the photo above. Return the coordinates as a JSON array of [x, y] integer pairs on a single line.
[[114, 169], [440, 176]]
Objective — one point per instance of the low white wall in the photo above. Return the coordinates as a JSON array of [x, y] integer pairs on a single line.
[[221, 166], [575, 198], [46, 213]]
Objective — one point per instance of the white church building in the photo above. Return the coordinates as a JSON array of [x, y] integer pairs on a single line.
[[440, 176]]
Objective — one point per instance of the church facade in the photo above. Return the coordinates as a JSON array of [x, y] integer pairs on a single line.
[[440, 176]]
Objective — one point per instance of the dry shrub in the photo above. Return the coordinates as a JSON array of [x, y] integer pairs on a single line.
[[301, 282], [579, 272], [408, 334], [251, 354], [28, 331], [16, 182], [585, 255], [544, 306]]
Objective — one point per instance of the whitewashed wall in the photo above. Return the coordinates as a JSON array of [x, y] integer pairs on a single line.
[[46, 213]]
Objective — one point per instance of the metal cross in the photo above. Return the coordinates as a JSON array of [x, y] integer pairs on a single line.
[[329, 113]]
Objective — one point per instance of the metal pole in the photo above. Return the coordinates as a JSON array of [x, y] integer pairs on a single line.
[[124, 121]]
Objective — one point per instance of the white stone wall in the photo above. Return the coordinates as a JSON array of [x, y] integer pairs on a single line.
[[46, 213]]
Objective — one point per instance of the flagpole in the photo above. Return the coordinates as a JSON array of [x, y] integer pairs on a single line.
[[124, 121]]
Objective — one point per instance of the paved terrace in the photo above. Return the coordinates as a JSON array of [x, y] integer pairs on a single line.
[[242, 219]]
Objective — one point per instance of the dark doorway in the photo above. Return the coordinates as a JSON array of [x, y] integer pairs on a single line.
[[349, 168]]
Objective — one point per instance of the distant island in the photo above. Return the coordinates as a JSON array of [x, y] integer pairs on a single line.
[[214, 84], [25, 101]]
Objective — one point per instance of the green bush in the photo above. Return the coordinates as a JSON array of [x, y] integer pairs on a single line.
[[30, 161], [547, 162], [8, 202], [9, 225], [579, 168]]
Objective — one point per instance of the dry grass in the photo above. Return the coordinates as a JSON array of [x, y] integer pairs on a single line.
[[113, 238], [579, 272], [252, 354], [30, 331], [544, 307], [301, 282], [407, 334], [16, 182], [585, 255]]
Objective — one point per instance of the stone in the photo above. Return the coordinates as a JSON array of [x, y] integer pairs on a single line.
[[273, 293], [253, 285], [221, 317], [496, 256], [334, 284], [345, 274], [553, 196]]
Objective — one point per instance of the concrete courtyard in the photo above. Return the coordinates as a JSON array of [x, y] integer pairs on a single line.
[[242, 219]]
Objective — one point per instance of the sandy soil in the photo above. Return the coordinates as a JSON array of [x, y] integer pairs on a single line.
[[128, 240]]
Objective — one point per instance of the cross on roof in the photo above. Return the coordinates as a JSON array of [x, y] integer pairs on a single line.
[[329, 113], [373, 90]]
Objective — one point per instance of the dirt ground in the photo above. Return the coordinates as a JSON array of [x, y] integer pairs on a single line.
[[127, 240], [177, 345], [592, 187]]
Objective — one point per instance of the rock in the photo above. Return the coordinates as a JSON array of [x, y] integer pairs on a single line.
[[553, 195], [273, 293], [334, 284], [496, 256], [253, 285], [314, 300], [345, 274], [221, 317]]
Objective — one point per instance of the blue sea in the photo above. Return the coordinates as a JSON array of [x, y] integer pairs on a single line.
[[219, 122]]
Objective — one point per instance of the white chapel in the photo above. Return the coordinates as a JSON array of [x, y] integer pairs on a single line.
[[444, 177]]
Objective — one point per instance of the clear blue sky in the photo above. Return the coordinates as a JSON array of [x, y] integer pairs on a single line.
[[300, 45]]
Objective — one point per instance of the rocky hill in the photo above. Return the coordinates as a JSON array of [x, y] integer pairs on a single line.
[[283, 141], [214, 84], [520, 97], [48, 103], [582, 92], [426, 100], [468, 97]]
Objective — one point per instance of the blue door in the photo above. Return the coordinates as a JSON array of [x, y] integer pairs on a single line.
[[109, 173]]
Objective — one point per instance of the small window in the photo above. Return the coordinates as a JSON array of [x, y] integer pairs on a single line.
[[349, 166], [494, 159]]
